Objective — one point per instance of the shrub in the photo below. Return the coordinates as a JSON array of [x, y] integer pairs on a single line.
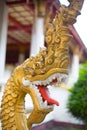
[[77, 102]]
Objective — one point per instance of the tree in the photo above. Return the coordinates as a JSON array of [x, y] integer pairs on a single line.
[[77, 102]]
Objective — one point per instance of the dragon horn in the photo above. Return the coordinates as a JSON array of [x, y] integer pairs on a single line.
[[76, 4], [70, 13]]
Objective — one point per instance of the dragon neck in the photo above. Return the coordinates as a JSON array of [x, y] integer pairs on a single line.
[[21, 120], [13, 113]]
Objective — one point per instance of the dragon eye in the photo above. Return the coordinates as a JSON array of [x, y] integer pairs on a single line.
[[37, 65]]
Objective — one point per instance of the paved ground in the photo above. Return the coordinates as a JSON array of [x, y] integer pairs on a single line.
[[59, 128], [63, 128], [52, 125]]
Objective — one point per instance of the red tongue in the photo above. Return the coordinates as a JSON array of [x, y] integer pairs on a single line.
[[44, 94]]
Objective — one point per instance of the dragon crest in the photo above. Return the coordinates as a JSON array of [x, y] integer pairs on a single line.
[[49, 66]]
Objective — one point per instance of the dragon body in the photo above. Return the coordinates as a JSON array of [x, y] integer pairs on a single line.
[[49, 66]]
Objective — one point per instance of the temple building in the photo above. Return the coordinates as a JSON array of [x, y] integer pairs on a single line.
[[23, 24]]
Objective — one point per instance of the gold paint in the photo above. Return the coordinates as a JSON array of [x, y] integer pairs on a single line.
[[50, 60]]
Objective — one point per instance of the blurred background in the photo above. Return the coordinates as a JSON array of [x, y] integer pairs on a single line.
[[22, 27]]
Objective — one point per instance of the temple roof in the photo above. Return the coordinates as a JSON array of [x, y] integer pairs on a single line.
[[21, 17]]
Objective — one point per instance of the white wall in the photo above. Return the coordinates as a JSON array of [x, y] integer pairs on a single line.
[[60, 112]]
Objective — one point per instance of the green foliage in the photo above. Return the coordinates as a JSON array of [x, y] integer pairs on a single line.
[[77, 102]]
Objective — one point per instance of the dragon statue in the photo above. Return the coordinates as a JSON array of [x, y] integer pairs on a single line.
[[49, 66]]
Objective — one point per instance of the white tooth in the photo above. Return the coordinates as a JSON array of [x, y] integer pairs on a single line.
[[44, 83], [62, 78], [47, 81], [59, 79], [39, 95], [50, 80], [35, 87], [53, 77], [31, 85], [37, 90], [45, 103], [40, 99], [39, 83], [36, 83]]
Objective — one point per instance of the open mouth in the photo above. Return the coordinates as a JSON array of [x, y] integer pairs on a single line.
[[45, 95], [41, 89]]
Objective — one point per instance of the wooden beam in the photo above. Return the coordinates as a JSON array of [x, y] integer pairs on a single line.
[[21, 2], [17, 42], [10, 3], [20, 26], [76, 36], [30, 8], [27, 28], [17, 24], [14, 39]]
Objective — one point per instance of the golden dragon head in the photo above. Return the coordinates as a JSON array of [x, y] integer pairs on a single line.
[[51, 64]]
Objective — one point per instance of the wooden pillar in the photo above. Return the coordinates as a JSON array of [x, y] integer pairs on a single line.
[[3, 35], [37, 40]]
